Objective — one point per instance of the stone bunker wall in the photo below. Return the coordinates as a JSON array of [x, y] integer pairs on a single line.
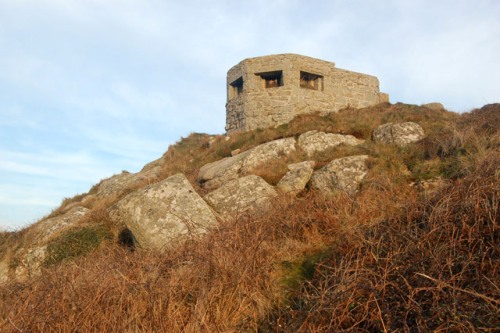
[[271, 90]]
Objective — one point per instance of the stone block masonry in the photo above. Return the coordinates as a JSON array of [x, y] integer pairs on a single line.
[[271, 90]]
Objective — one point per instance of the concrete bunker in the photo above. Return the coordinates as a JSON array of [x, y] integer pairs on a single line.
[[271, 90]]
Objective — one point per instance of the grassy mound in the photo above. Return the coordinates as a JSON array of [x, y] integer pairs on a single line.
[[398, 256]]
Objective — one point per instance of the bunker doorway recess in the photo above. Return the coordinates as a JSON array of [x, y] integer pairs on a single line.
[[236, 88], [271, 79], [311, 81]]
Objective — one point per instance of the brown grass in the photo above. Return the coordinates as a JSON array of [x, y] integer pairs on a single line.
[[434, 267], [388, 259], [272, 171], [226, 281]]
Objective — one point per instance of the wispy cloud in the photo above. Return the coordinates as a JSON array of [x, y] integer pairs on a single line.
[[89, 88]]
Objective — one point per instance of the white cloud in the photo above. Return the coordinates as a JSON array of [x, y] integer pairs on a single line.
[[75, 166], [88, 88]]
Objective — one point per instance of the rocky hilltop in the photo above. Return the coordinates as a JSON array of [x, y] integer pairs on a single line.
[[160, 214], [321, 182]]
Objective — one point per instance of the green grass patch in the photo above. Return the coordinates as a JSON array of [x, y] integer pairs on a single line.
[[75, 243], [296, 272]]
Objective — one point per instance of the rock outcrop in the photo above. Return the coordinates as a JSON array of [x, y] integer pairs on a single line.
[[163, 214], [214, 174], [45, 229], [296, 179], [240, 195], [313, 142], [344, 174], [399, 134], [117, 184], [29, 258], [266, 152]]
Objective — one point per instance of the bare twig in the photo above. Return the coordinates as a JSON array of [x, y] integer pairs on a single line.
[[17, 328], [472, 293]]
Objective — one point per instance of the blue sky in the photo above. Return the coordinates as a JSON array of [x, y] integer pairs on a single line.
[[90, 88]]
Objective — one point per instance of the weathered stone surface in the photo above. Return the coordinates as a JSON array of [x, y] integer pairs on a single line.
[[316, 142], [30, 257], [45, 229], [297, 178], [271, 90], [214, 174], [400, 134], [163, 214], [267, 152], [30, 263], [240, 195], [383, 97], [344, 174], [434, 106], [121, 182]]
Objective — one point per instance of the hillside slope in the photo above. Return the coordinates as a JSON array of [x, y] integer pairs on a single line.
[[416, 249]]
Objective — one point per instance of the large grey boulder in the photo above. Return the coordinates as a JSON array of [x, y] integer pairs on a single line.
[[267, 152], [343, 174], [30, 257], [313, 142], [45, 229], [117, 184], [165, 213], [399, 134], [240, 195], [213, 175], [296, 179]]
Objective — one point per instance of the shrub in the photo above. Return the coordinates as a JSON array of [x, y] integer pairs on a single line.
[[75, 243], [432, 268]]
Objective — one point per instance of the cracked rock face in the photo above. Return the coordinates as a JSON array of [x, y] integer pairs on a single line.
[[119, 183], [164, 213], [296, 179], [213, 175], [240, 195], [343, 174], [400, 134], [266, 152], [31, 256], [313, 142]]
